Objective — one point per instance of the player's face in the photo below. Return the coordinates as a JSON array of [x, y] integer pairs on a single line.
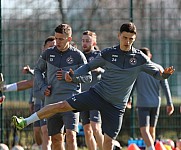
[[50, 44], [126, 40], [62, 41], [87, 43]]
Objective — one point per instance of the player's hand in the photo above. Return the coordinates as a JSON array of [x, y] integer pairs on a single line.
[[129, 105], [68, 78], [48, 91], [170, 110], [59, 74], [169, 70], [26, 69], [2, 98]]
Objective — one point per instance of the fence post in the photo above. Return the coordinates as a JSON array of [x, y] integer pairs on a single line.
[[132, 109], [131, 11], [1, 107]]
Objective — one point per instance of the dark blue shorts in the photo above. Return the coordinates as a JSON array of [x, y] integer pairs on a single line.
[[111, 116], [92, 115], [148, 116], [56, 123]]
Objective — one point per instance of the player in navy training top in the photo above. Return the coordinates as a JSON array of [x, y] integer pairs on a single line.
[[122, 64]]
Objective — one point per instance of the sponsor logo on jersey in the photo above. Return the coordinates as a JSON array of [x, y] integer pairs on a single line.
[[114, 58], [51, 57], [70, 60]]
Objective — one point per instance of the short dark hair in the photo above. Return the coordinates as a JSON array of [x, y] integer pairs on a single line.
[[145, 50], [64, 29], [50, 38], [128, 27]]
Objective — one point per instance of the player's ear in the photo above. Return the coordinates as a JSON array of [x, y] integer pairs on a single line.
[[150, 56], [94, 43], [119, 34]]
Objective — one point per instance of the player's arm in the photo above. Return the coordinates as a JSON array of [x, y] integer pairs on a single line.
[[79, 79], [157, 72], [130, 100], [166, 90], [40, 68], [83, 70], [84, 78]]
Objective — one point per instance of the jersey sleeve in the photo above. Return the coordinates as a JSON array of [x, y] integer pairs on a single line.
[[97, 62], [152, 69], [83, 78], [39, 69], [166, 90]]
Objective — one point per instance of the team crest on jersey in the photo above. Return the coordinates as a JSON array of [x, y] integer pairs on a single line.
[[74, 98], [91, 58], [133, 61], [70, 60]]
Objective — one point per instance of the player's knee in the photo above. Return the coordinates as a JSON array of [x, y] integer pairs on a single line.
[[96, 128], [71, 137], [45, 133], [64, 106], [57, 139], [88, 132], [108, 142]]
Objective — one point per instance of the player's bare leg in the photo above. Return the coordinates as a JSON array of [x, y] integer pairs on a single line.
[[25, 84], [45, 112], [89, 137], [97, 131], [107, 143], [18, 86]]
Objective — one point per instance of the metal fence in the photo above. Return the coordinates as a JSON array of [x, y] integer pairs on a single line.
[[25, 25]]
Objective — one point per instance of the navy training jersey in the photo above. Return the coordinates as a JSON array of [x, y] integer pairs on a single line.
[[121, 71], [53, 60]]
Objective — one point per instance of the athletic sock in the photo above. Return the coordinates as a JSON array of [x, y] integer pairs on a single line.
[[33, 118], [10, 87]]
